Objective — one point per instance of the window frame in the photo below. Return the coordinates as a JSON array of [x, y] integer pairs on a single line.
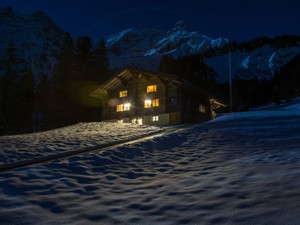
[[123, 107], [155, 102], [151, 88], [123, 93], [155, 118]]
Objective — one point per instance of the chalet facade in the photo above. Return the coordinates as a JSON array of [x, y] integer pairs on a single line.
[[153, 98]]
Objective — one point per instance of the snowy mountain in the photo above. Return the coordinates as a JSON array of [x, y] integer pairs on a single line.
[[261, 62], [37, 39], [145, 47]]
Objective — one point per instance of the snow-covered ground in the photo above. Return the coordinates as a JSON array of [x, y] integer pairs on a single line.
[[242, 168], [75, 138]]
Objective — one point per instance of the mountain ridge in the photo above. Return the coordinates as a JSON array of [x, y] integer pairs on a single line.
[[152, 44], [39, 40], [36, 37]]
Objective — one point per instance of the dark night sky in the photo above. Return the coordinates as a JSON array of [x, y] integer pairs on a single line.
[[238, 20]]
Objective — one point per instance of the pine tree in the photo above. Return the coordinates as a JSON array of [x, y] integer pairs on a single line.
[[101, 63], [62, 88], [42, 104], [10, 98], [85, 78], [26, 101], [83, 59]]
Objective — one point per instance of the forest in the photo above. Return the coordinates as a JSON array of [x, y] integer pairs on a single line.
[[35, 102]]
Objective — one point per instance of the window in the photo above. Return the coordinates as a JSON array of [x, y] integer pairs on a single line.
[[123, 93], [151, 88], [147, 104], [201, 108], [119, 121], [151, 103], [154, 118], [155, 102], [120, 108], [126, 106], [123, 107], [137, 121]]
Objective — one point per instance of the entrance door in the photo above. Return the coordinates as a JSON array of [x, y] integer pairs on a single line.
[[174, 118]]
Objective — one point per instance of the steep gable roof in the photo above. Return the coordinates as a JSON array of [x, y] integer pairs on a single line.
[[130, 72], [127, 74]]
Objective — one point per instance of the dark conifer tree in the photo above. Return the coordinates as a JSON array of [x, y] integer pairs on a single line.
[[167, 64], [26, 101], [287, 80], [86, 78], [191, 69], [63, 87], [83, 59], [10, 82], [42, 108], [101, 63]]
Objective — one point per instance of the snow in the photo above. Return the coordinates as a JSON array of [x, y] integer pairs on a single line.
[[134, 46], [261, 62], [37, 39], [245, 62], [79, 137], [241, 168]]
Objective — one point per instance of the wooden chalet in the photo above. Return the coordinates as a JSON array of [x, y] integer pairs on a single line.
[[154, 98]]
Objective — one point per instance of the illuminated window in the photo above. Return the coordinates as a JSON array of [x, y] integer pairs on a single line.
[[123, 93], [120, 108], [119, 121], [155, 102], [123, 107], [126, 106], [147, 103], [151, 103], [154, 118], [137, 121], [201, 108], [151, 88], [140, 121]]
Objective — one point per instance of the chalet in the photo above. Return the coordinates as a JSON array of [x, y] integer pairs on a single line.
[[154, 98]]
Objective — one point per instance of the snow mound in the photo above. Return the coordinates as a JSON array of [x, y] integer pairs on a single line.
[[79, 137], [269, 111]]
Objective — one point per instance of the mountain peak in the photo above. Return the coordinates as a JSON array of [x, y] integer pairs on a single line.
[[35, 35], [179, 26], [39, 15]]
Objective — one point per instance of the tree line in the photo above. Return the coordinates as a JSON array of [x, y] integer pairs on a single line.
[[34, 102], [246, 93]]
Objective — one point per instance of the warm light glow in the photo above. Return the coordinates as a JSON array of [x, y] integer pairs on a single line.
[[151, 88], [120, 121], [137, 121], [155, 102], [123, 107], [201, 108], [147, 103], [120, 108], [154, 118], [151, 103], [126, 106], [123, 93], [140, 121]]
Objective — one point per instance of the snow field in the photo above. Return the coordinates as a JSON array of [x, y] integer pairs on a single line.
[[237, 169]]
